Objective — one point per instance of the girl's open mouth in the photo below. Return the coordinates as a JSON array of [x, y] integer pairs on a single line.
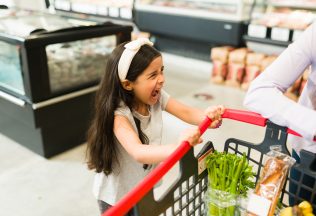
[[155, 94]]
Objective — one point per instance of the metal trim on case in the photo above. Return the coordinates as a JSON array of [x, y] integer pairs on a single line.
[[12, 99], [64, 97]]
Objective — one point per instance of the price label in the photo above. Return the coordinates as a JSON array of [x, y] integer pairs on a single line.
[[280, 34], [84, 8], [126, 13], [258, 31], [102, 10], [296, 34], [114, 12], [258, 205], [62, 5]]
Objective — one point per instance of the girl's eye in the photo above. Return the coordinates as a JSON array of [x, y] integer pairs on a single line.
[[153, 75]]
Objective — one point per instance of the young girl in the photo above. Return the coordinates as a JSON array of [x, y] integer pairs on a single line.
[[124, 139]]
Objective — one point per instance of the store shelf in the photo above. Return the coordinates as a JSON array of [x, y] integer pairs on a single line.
[[294, 4], [190, 12], [267, 41], [95, 9]]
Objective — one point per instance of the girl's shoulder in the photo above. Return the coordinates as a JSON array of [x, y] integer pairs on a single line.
[[122, 109]]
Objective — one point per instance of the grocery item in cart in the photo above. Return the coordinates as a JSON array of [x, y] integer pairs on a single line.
[[303, 209], [273, 177], [229, 176]]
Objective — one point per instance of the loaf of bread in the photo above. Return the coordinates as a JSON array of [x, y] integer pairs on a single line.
[[272, 181]]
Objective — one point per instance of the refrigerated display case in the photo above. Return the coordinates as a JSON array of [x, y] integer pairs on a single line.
[[50, 67], [188, 25], [114, 9], [281, 22]]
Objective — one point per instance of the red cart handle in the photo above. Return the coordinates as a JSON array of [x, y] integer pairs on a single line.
[[251, 118], [128, 201]]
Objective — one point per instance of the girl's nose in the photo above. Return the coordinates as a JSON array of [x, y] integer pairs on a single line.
[[161, 78]]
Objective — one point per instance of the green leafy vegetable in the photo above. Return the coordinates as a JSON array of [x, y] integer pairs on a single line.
[[231, 175]]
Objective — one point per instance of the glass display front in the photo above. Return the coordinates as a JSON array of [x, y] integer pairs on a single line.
[[76, 63], [217, 6], [23, 23], [10, 68]]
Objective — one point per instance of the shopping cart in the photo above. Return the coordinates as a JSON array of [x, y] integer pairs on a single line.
[[186, 196]]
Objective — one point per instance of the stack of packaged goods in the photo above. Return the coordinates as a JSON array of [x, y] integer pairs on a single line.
[[296, 89], [253, 68], [219, 57], [236, 67]]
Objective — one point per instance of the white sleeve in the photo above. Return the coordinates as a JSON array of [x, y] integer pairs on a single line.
[[164, 97], [265, 94]]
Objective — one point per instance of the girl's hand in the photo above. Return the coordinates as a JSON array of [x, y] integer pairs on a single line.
[[191, 135], [215, 114]]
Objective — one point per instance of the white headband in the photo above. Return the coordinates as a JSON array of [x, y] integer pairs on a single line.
[[128, 54]]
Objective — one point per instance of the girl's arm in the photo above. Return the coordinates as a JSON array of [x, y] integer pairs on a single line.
[[265, 94], [193, 115], [147, 154]]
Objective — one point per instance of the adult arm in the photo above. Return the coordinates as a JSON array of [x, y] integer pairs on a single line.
[[265, 94]]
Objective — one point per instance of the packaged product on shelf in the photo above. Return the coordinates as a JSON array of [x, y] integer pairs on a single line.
[[236, 67], [267, 61], [219, 57], [272, 180], [253, 68], [293, 91], [304, 79]]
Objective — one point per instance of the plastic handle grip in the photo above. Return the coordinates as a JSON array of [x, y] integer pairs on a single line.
[[251, 118], [128, 201], [245, 116]]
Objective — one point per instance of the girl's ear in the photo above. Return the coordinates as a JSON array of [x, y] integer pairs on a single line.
[[127, 85]]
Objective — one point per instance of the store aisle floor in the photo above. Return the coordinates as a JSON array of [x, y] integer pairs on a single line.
[[31, 185]]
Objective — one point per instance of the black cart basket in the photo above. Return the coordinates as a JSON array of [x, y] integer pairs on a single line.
[[186, 196]]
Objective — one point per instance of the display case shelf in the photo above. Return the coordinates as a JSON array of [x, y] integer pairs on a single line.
[[106, 9], [281, 22], [192, 27], [296, 4]]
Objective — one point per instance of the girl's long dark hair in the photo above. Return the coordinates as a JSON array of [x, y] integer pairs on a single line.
[[101, 149]]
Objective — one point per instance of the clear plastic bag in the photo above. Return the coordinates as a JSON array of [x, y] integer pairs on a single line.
[[220, 203], [273, 176]]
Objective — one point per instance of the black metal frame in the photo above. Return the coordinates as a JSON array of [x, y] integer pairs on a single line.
[[277, 135], [186, 196]]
